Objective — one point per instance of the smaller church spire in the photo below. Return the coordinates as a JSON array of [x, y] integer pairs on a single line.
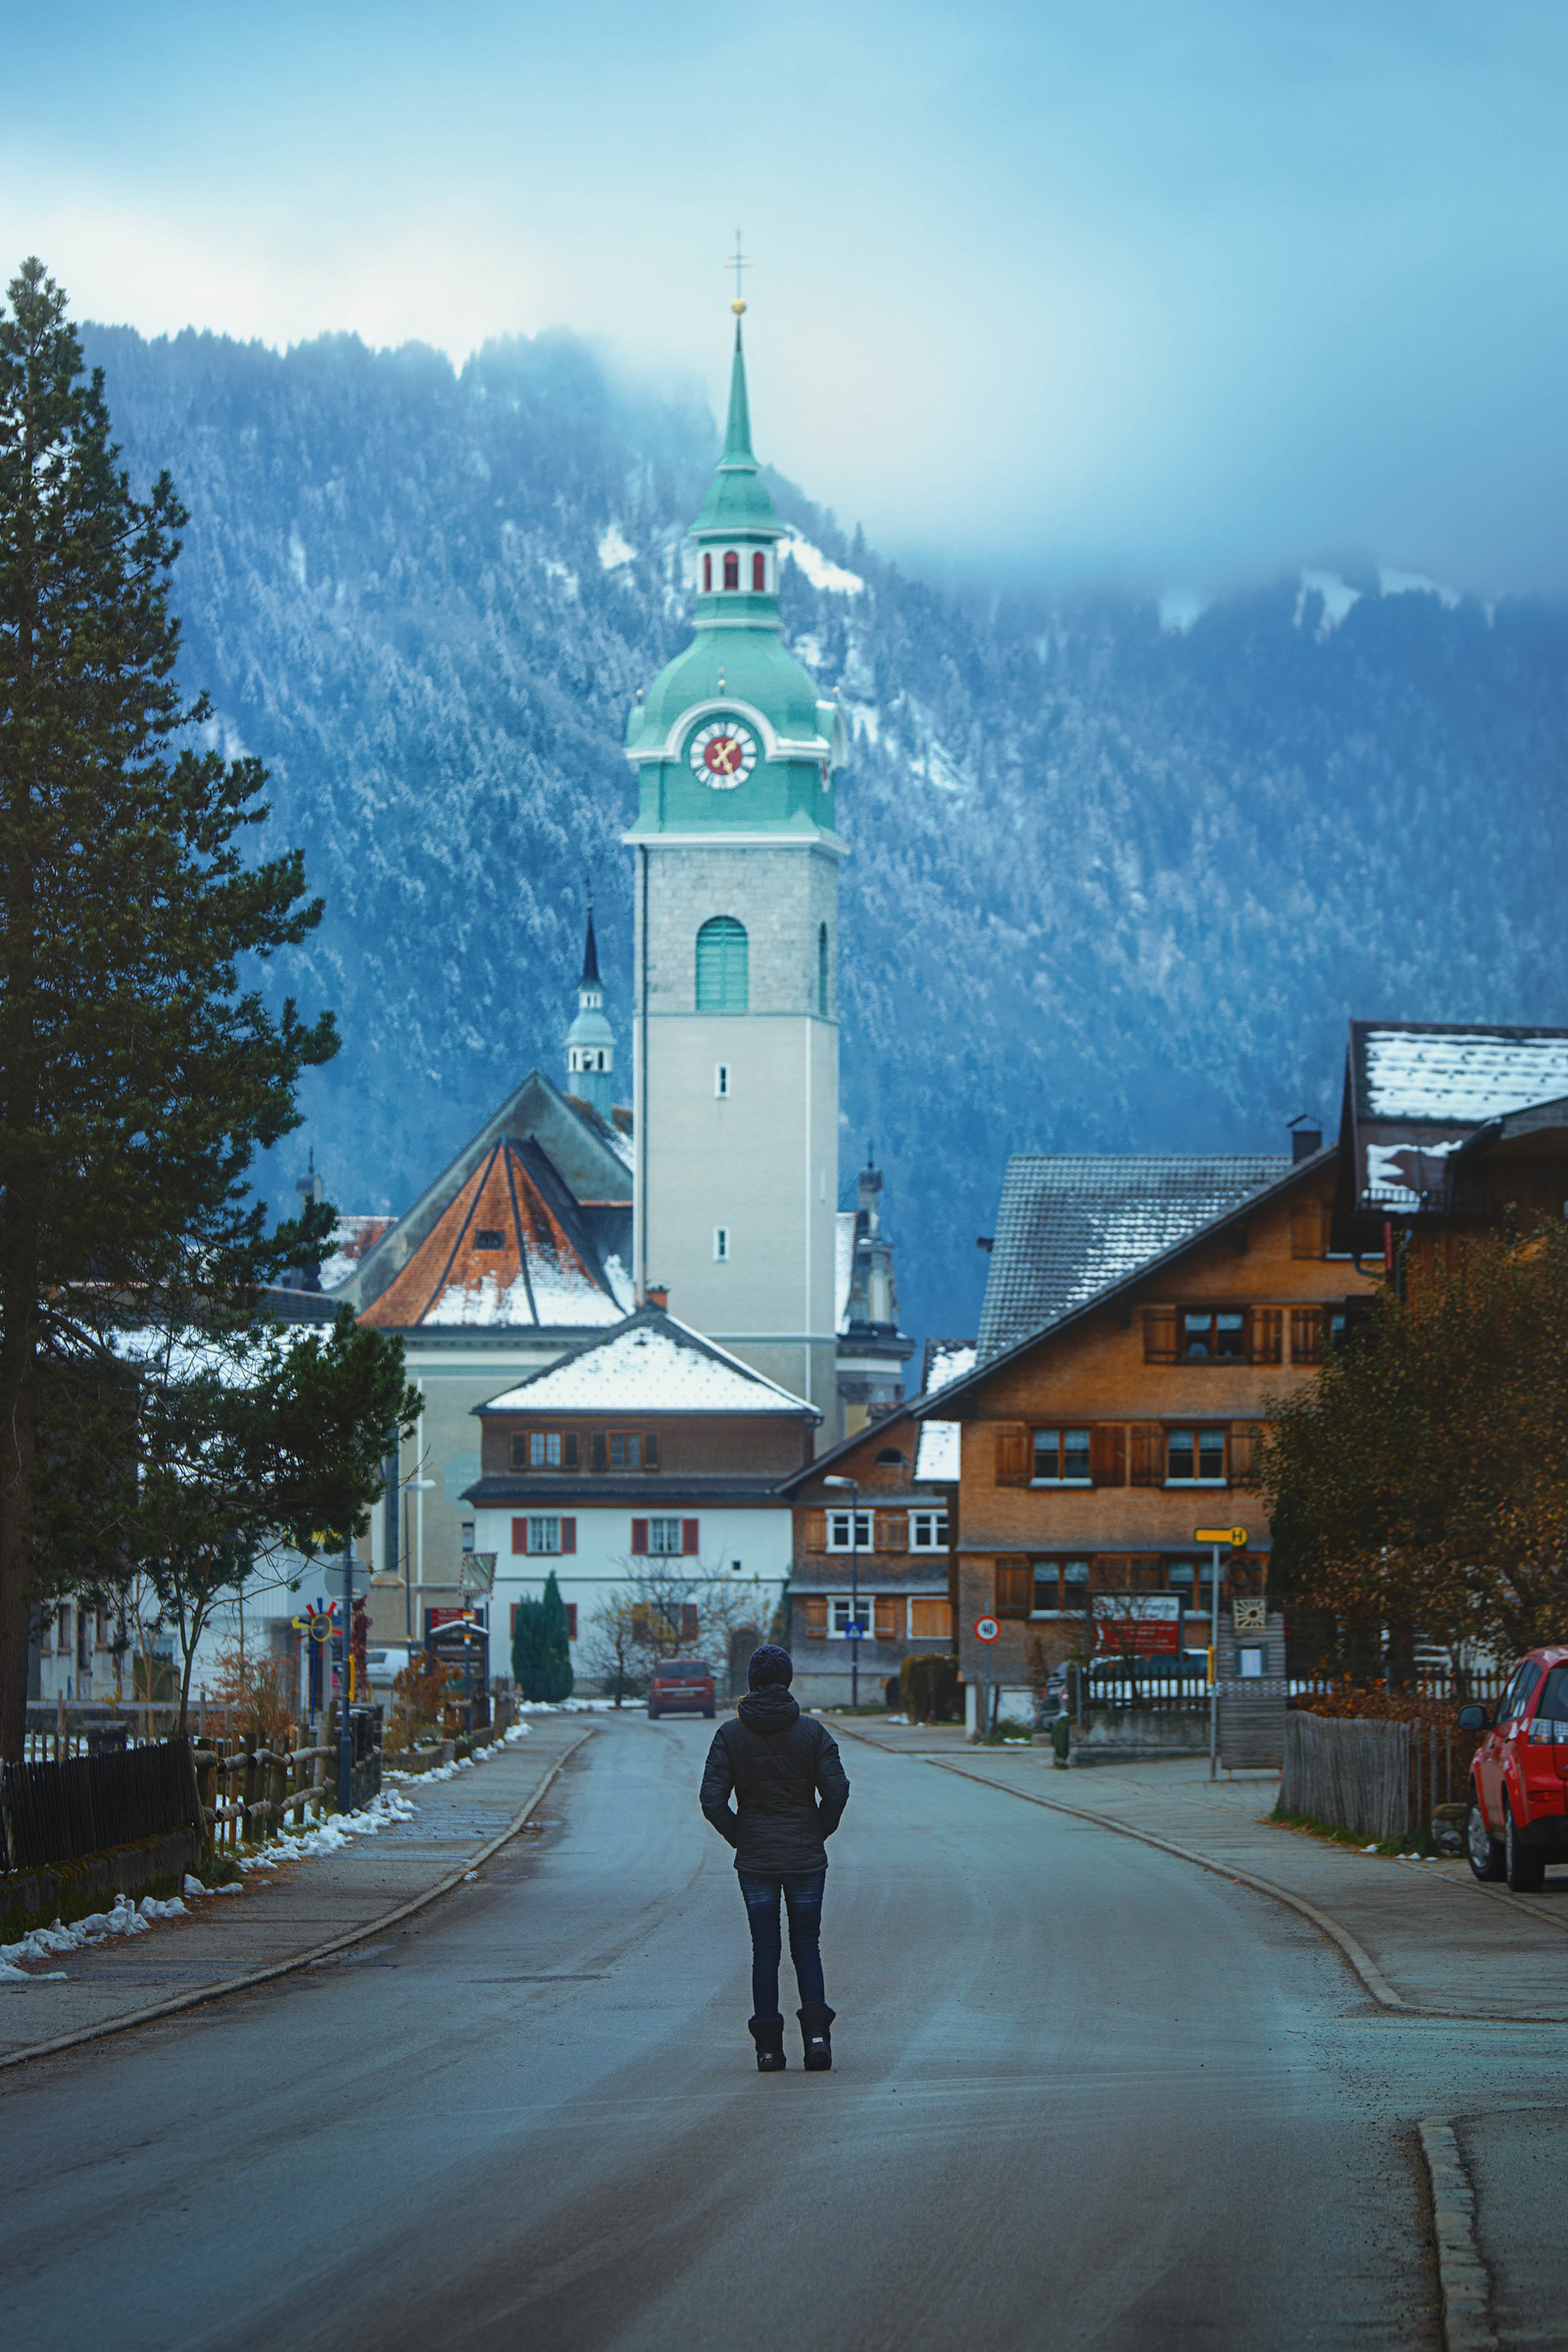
[[590, 951], [738, 428]]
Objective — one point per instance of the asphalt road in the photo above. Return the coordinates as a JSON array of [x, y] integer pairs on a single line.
[[1084, 2095]]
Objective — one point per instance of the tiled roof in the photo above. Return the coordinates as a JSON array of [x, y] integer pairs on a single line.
[[1420, 1070], [510, 1251], [1069, 1227], [944, 1360]]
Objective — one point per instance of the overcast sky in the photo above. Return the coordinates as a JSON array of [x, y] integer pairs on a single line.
[[1171, 294]]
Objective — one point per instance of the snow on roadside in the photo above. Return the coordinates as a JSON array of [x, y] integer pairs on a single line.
[[330, 1836]]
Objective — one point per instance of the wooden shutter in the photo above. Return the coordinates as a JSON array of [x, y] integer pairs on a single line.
[[1147, 1445], [1245, 1436], [1306, 1335], [1107, 1454], [519, 1534], [1265, 1334], [571, 1620], [568, 1449], [639, 1532], [931, 1619], [886, 1606], [568, 1535], [814, 1610], [519, 1453], [1159, 1335], [597, 1455], [1014, 1581], [688, 1537], [817, 1532], [1309, 1228], [1012, 1455], [651, 1450]]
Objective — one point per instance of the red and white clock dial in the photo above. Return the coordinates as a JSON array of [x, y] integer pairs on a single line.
[[723, 753]]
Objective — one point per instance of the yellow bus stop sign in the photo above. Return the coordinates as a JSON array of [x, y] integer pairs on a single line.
[[1235, 1536]]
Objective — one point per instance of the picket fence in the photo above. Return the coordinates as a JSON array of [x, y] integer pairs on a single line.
[[1374, 1777]]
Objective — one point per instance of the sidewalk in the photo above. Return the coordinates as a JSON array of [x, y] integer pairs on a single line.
[[1422, 1936], [288, 1913]]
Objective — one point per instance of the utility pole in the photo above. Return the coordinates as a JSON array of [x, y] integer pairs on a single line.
[[345, 1739]]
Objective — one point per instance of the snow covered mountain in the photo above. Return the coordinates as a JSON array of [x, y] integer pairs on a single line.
[[1117, 880]]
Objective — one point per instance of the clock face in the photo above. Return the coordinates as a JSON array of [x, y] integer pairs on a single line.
[[723, 753]]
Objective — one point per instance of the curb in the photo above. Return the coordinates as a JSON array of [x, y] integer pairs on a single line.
[[1461, 2272], [317, 1951]]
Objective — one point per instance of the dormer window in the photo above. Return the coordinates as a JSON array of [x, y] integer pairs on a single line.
[[759, 572], [489, 1237], [732, 568], [708, 575]]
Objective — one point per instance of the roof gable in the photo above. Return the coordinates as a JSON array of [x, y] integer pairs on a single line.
[[650, 1363]]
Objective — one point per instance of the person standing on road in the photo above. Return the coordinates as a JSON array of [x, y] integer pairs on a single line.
[[790, 1792]]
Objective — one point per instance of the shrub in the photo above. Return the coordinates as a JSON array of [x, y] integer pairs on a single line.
[[930, 1691]]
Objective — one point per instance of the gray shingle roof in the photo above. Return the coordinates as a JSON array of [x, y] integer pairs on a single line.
[[1069, 1227]]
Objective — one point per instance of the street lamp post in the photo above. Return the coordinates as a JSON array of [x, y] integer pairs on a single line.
[[855, 1583], [345, 1736]]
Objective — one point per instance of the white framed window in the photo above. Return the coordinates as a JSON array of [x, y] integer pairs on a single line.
[[838, 1532], [1062, 1459], [1194, 1458], [468, 1534], [721, 1245], [544, 1535], [928, 1531], [721, 1080], [663, 1538], [839, 1618]]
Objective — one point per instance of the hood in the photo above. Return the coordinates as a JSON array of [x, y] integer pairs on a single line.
[[770, 1709]]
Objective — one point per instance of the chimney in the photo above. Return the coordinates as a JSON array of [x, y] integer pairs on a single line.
[[657, 1295], [1305, 1141]]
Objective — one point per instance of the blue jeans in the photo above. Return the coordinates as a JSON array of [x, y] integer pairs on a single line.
[[803, 1899]]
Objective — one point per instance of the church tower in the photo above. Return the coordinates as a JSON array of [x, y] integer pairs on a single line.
[[737, 1066], [590, 1041]]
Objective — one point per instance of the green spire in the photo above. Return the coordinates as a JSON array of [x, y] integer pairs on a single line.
[[738, 431]]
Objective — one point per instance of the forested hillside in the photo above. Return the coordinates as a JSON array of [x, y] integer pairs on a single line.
[[1113, 886]]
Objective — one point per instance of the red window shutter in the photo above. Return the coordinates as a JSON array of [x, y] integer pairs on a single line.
[[651, 1450], [568, 1449], [1159, 1335], [1012, 1456], [572, 1621], [1107, 1455], [639, 1538], [568, 1535], [688, 1536], [519, 1534]]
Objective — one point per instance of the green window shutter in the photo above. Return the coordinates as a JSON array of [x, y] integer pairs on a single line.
[[722, 976]]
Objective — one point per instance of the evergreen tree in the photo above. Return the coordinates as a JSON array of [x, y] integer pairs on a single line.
[[558, 1653], [529, 1649], [136, 1077]]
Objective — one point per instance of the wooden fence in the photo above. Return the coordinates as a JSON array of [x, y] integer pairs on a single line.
[[86, 1804], [1375, 1778]]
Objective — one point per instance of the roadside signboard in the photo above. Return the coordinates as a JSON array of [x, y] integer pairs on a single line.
[[985, 1629], [476, 1573], [855, 1630], [1138, 1625], [1235, 1536]]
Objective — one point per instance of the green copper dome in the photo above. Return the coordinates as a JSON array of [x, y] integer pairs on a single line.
[[736, 675]]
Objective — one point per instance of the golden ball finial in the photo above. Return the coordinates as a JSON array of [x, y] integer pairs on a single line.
[[737, 305]]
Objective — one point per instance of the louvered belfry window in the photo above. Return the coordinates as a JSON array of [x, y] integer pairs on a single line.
[[722, 974]]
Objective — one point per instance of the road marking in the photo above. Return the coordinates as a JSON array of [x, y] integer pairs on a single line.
[[317, 1952], [1461, 2272]]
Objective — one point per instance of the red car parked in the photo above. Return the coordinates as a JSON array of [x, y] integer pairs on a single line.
[[684, 1686], [1518, 1817]]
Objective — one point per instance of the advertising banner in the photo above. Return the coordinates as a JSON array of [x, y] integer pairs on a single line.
[[1138, 1625]]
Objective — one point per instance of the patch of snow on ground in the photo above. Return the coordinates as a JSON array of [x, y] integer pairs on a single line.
[[48, 1943], [1414, 583], [613, 550], [818, 568], [1338, 598]]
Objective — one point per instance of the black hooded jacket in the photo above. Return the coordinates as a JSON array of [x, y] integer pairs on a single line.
[[790, 1788]]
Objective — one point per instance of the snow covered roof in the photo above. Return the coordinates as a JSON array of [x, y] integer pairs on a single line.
[[1068, 1228], [1457, 1076], [653, 1363], [937, 1454], [944, 1360], [511, 1249], [354, 1237]]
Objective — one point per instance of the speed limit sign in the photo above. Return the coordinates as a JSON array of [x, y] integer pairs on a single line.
[[985, 1629]]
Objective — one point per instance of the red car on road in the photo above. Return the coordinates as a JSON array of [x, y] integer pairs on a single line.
[[1518, 1817], [681, 1687]]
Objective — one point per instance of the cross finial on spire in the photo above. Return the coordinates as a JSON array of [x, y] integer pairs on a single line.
[[738, 262]]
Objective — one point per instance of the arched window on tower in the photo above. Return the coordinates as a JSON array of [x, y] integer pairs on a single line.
[[821, 970], [722, 965], [759, 572], [708, 575], [732, 569]]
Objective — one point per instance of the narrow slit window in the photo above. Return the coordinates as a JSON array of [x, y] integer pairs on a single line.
[[721, 1080], [732, 569], [821, 970], [708, 575], [759, 572], [721, 1245]]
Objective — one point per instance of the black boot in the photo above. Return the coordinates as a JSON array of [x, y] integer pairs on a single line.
[[768, 2034], [815, 2019]]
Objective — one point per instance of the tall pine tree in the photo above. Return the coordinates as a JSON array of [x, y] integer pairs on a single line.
[[136, 1076]]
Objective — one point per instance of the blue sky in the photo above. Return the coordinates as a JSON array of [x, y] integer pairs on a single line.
[[1176, 296]]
